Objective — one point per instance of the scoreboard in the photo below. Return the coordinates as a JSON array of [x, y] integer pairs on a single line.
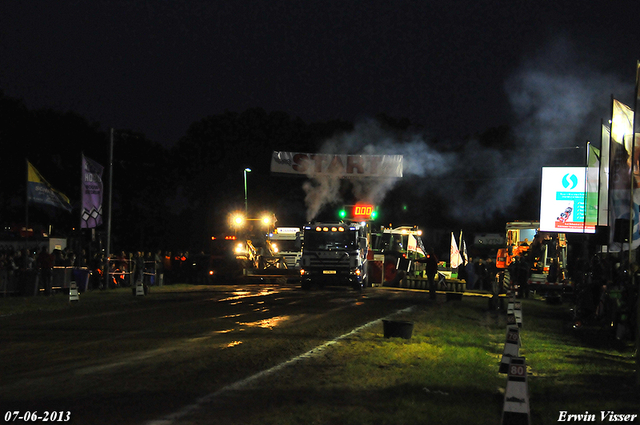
[[359, 212]]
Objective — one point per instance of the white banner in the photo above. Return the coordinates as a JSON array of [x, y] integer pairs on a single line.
[[342, 166], [455, 259]]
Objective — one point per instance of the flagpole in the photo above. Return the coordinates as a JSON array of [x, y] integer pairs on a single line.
[[464, 258], [106, 268], [600, 172], [26, 205], [610, 217], [586, 188], [80, 256]]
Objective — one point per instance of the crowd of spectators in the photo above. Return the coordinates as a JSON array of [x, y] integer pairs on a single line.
[[22, 269]]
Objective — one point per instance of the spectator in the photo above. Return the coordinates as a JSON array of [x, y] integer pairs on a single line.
[[470, 268], [159, 267], [481, 273], [431, 269], [45, 263], [138, 267]]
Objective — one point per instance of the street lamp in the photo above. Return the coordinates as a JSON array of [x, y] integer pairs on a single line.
[[246, 205]]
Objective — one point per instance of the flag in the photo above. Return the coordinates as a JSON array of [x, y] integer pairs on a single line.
[[620, 174], [622, 124], [412, 245], [92, 187], [454, 257], [591, 193], [415, 245], [463, 246], [603, 180], [40, 191]]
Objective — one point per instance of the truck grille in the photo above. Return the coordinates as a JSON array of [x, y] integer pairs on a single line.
[[327, 260]]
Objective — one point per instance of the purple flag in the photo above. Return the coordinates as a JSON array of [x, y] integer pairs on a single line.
[[91, 193]]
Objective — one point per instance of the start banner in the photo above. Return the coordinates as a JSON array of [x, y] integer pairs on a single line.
[[341, 166]]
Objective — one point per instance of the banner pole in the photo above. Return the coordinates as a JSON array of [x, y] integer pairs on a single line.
[[80, 250], [26, 206], [106, 266]]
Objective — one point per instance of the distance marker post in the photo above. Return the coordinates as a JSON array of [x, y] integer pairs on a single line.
[[511, 348], [516, 410], [73, 292], [514, 316], [517, 310], [139, 289]]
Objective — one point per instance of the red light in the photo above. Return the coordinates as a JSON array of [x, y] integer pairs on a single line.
[[230, 238]]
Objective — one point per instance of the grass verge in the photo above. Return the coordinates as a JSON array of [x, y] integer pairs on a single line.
[[447, 373]]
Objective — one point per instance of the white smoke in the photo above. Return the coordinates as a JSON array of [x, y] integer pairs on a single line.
[[369, 138], [557, 98]]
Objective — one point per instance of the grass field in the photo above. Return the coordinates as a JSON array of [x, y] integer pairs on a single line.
[[447, 373]]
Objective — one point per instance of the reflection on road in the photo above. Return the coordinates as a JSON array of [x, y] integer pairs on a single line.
[[237, 295], [267, 323]]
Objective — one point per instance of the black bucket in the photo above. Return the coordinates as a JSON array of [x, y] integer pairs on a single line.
[[397, 329]]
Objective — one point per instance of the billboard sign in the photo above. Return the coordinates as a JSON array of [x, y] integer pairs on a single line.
[[566, 201]]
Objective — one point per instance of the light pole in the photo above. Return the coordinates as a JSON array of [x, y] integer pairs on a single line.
[[246, 205]]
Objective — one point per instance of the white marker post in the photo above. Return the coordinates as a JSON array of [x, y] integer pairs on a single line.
[[516, 410], [139, 289], [517, 315], [517, 310], [511, 348], [73, 292]]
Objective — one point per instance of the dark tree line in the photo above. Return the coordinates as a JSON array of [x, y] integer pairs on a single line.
[[176, 197], [163, 198]]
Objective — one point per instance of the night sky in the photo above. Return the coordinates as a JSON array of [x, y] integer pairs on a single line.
[[546, 70], [455, 67]]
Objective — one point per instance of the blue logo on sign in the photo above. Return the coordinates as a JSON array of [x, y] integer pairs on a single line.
[[569, 180]]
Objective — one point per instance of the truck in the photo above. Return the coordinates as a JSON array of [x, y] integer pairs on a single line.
[[225, 262], [286, 242], [542, 256], [335, 253], [395, 246]]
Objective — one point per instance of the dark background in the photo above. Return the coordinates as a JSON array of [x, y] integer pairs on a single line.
[[477, 97]]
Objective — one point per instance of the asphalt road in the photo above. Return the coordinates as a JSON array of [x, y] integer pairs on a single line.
[[139, 360]]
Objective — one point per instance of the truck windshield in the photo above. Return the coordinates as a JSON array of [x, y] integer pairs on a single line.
[[327, 241], [286, 245]]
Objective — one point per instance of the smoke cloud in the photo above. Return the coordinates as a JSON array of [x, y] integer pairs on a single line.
[[557, 99], [369, 138]]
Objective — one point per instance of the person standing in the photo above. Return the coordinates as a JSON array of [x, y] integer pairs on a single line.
[[471, 274], [159, 267], [45, 265], [431, 268]]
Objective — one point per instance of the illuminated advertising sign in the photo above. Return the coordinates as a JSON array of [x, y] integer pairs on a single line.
[[566, 203]]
